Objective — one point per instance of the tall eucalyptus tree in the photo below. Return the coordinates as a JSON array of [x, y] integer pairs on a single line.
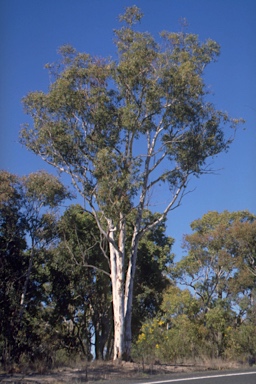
[[125, 128]]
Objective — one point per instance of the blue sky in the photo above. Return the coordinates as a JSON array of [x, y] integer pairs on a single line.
[[32, 30]]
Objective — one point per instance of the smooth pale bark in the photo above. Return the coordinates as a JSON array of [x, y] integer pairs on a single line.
[[117, 279], [129, 298], [122, 288]]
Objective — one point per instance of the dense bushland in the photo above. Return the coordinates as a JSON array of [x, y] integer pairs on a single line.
[[55, 288]]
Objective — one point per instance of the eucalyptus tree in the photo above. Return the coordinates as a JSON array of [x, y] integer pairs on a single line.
[[220, 257], [219, 269], [42, 194], [13, 264], [127, 129], [27, 223]]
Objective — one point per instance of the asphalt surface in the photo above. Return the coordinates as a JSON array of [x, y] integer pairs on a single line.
[[216, 377]]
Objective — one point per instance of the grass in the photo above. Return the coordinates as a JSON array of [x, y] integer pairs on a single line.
[[97, 371]]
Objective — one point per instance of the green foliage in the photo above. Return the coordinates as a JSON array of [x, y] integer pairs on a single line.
[[241, 342], [218, 320], [164, 333], [149, 340], [80, 275], [44, 189], [218, 263], [67, 300], [25, 234], [178, 302], [80, 285], [12, 264], [131, 16], [151, 279], [55, 289], [96, 111], [219, 268]]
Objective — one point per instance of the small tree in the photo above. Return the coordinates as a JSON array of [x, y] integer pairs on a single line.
[[121, 130], [220, 257], [160, 338], [219, 268]]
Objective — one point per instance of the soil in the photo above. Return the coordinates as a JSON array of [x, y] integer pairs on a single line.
[[98, 373]]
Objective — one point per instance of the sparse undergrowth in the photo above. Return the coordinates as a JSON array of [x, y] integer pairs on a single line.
[[103, 371]]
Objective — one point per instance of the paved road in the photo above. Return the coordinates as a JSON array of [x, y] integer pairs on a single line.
[[247, 376], [228, 377]]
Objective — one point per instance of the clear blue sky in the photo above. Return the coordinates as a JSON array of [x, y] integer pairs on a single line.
[[32, 30]]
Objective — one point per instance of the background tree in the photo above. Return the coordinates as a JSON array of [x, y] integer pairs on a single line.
[[40, 191], [152, 275], [12, 263], [215, 317], [218, 269], [80, 286], [27, 221], [123, 128], [160, 337]]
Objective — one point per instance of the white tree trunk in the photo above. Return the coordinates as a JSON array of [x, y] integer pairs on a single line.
[[129, 285], [117, 278], [122, 286]]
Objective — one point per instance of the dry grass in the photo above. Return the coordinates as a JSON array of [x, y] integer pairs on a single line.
[[107, 371]]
